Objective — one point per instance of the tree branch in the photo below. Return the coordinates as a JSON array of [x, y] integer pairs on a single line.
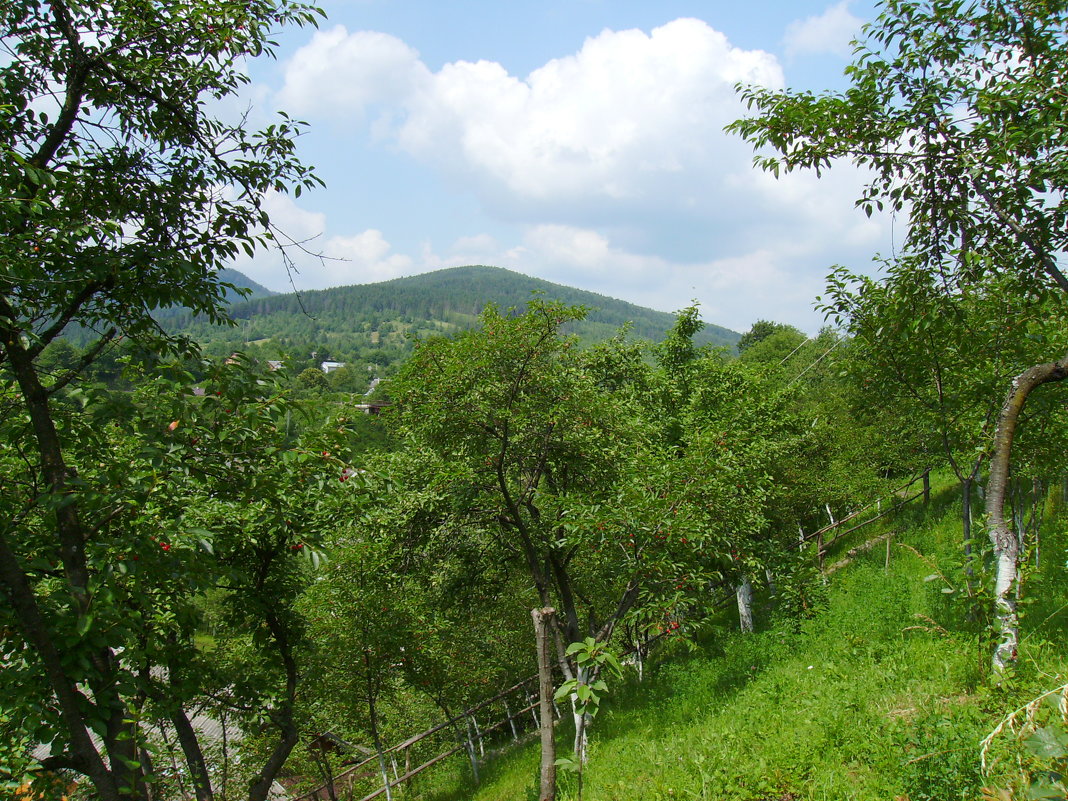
[[87, 358], [1048, 264]]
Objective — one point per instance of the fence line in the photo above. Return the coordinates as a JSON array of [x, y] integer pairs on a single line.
[[823, 546], [350, 774], [511, 718]]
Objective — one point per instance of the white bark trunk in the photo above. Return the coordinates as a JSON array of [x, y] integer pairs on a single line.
[[511, 720], [384, 771], [1006, 541], [744, 593], [1006, 555], [582, 722], [472, 756]]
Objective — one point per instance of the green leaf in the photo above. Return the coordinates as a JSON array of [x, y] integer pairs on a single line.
[[1044, 789], [84, 623], [1048, 743]]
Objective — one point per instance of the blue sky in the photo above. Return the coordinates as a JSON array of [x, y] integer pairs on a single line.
[[578, 141]]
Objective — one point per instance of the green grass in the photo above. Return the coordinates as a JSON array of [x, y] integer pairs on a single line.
[[883, 694]]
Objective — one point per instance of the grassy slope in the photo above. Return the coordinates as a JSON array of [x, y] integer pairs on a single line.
[[882, 696]]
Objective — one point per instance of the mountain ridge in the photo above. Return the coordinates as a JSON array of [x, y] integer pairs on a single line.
[[455, 294]]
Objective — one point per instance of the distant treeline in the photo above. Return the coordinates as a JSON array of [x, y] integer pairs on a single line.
[[457, 296], [372, 327]]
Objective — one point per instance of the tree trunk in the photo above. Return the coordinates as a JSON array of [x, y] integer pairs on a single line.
[[70, 534], [1004, 540], [966, 526], [544, 621], [966, 514], [318, 755], [372, 711], [282, 717], [581, 719], [744, 593], [194, 757]]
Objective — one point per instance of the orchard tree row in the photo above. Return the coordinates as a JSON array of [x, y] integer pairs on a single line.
[[196, 541]]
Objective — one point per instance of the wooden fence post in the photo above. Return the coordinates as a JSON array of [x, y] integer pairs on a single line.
[[511, 720], [543, 620], [478, 736], [471, 749]]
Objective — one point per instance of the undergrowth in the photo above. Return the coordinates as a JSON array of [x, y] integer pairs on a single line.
[[882, 694]]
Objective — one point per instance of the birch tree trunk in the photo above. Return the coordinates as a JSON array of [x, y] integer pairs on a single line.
[[1005, 541]]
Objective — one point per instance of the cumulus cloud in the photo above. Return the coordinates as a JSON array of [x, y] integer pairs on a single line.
[[632, 120], [829, 32], [365, 258], [764, 281], [609, 164], [341, 73]]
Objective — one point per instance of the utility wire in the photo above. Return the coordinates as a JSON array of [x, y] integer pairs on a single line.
[[795, 350], [820, 359]]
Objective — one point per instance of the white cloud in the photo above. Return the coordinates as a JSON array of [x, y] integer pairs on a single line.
[[628, 114], [830, 32], [320, 261], [631, 120], [611, 164], [364, 258], [338, 73]]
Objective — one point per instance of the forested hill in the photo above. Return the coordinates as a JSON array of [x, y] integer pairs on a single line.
[[456, 296], [372, 327], [242, 281]]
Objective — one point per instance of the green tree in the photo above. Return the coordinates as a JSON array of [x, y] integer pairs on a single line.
[[313, 379], [532, 453], [120, 194], [757, 455], [347, 379], [940, 358], [761, 330], [957, 111], [194, 497]]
